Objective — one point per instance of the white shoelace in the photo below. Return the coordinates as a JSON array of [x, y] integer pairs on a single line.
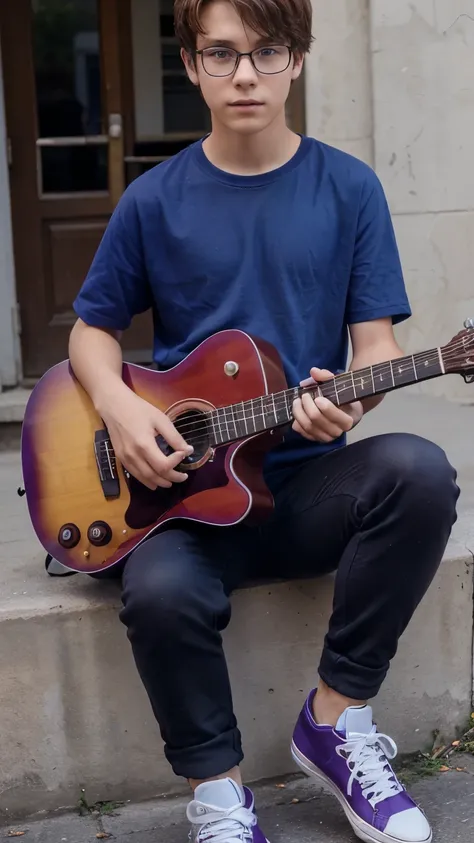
[[231, 826], [367, 758]]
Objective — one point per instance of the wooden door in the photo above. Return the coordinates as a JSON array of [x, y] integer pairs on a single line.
[[63, 96]]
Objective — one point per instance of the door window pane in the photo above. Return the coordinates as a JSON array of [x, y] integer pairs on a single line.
[[74, 169], [69, 94], [67, 67]]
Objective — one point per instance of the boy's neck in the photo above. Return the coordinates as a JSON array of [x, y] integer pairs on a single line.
[[251, 155]]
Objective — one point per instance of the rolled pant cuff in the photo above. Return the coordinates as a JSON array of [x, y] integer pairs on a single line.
[[350, 679], [209, 759]]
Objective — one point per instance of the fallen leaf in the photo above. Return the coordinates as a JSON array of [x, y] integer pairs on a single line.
[[281, 785], [460, 769], [444, 769], [295, 801], [16, 833], [102, 835], [456, 743]]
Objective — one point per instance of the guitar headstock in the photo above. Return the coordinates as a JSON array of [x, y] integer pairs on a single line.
[[458, 355]]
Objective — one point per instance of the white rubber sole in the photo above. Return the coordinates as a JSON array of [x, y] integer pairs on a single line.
[[362, 829]]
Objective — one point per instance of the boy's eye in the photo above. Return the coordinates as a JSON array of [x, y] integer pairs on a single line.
[[220, 54], [265, 52]]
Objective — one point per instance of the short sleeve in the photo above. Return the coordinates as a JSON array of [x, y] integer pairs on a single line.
[[116, 287], [377, 288]]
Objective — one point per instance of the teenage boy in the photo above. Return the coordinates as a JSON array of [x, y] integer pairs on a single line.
[[288, 239]]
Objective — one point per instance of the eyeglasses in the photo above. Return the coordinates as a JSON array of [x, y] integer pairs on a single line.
[[223, 61]]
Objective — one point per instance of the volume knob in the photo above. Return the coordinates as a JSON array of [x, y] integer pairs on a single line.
[[99, 533], [69, 536]]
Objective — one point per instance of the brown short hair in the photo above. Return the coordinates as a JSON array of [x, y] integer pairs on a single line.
[[280, 20]]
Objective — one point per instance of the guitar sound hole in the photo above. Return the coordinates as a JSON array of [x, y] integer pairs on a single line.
[[195, 428]]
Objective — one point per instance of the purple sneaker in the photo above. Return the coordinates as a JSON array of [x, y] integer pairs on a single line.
[[353, 761], [223, 812]]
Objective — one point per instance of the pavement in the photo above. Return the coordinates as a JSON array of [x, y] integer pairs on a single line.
[[297, 812]]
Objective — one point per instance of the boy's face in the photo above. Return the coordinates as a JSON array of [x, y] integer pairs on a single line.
[[223, 28]]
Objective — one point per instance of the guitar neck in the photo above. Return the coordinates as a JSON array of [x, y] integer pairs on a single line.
[[238, 421]]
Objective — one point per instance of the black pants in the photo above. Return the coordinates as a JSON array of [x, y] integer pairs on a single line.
[[380, 511]]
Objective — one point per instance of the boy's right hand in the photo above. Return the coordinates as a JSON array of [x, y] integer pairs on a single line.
[[133, 425]]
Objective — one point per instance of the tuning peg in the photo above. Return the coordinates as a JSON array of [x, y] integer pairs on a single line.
[[469, 323]]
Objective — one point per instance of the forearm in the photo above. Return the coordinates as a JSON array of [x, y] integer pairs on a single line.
[[378, 353], [96, 359]]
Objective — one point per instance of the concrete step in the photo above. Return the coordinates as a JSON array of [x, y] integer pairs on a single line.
[[74, 713], [12, 405], [12, 409]]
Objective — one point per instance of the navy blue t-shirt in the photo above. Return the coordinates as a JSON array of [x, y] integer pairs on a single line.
[[293, 256]]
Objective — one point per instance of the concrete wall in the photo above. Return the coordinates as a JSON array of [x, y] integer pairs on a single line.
[[339, 77], [392, 81], [423, 74], [147, 68]]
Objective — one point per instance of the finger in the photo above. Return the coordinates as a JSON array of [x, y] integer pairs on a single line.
[[164, 466], [302, 419], [308, 382], [170, 464], [320, 437], [318, 418], [173, 438], [312, 422], [141, 471], [334, 414], [321, 374]]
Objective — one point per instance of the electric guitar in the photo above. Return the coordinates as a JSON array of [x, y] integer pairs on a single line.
[[228, 398]]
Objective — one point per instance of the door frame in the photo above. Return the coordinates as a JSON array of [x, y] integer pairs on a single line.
[[30, 263], [22, 134]]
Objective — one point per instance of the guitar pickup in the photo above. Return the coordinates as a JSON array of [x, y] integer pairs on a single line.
[[106, 464]]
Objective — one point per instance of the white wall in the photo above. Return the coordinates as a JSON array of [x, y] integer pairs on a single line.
[[9, 344]]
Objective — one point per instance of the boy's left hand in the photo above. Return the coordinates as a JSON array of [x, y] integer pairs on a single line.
[[317, 418]]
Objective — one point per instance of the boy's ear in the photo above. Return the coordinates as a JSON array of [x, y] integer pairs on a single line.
[[190, 65], [298, 63]]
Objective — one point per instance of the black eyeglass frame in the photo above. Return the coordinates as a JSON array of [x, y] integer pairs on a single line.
[[239, 56]]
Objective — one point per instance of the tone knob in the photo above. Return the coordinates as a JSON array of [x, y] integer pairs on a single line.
[[99, 533], [69, 536]]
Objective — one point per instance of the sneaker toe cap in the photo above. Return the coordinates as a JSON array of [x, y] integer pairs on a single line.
[[409, 827]]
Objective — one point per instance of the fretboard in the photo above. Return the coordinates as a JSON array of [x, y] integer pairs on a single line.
[[238, 421]]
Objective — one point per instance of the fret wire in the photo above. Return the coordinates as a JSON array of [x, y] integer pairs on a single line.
[[244, 416], [274, 408], [220, 418], [233, 420], [214, 432], [226, 423]]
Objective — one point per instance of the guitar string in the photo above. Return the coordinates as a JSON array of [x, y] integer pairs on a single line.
[[227, 414], [279, 400]]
